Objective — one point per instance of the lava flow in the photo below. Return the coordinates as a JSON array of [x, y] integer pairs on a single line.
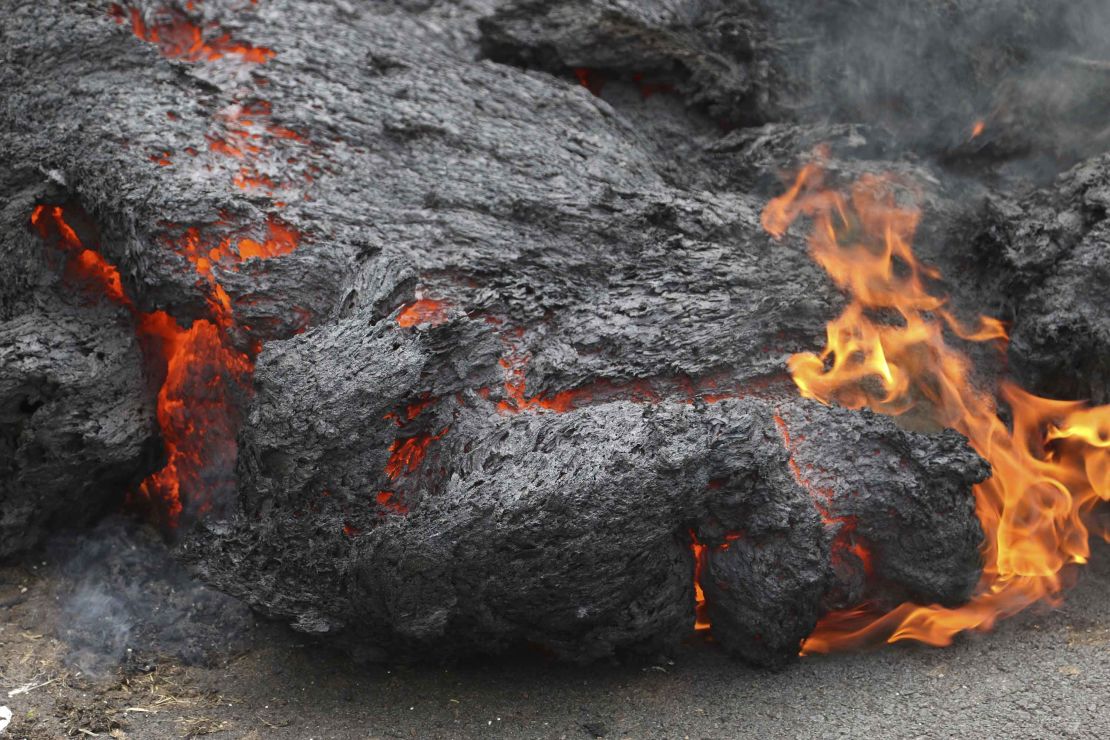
[[178, 37], [199, 373], [889, 351]]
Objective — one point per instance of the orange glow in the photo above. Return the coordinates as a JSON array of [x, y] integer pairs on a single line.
[[177, 37], [82, 265], [710, 389], [405, 455], [247, 180], [514, 388], [701, 619], [194, 412], [220, 146], [977, 128], [285, 133], [561, 402], [280, 239], [413, 409], [200, 373], [388, 500], [589, 79], [195, 404], [423, 311], [889, 351]]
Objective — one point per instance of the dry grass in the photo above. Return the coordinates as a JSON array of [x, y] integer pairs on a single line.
[[48, 697]]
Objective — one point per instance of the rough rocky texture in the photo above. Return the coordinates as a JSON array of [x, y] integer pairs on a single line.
[[570, 530], [714, 54], [925, 70], [1049, 254], [515, 351], [76, 419]]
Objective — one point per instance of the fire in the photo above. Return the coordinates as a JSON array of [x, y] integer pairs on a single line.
[[889, 351]]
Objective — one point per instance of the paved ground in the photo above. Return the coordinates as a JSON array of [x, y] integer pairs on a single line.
[[1041, 675]]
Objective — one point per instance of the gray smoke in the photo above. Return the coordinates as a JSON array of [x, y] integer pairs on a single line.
[[1035, 72], [126, 602]]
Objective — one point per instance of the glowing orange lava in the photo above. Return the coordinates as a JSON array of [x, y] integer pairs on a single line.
[[84, 265], [423, 311], [195, 404], [405, 455], [179, 38], [388, 500], [889, 351], [280, 239], [701, 620], [196, 413], [561, 402], [248, 180]]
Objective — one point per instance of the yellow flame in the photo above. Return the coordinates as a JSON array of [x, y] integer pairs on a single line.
[[888, 351]]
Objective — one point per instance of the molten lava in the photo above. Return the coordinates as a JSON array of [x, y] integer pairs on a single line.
[[405, 455], [196, 413], [84, 265], [280, 239], [388, 500], [890, 351], [178, 37], [561, 402], [200, 375], [701, 621], [423, 311]]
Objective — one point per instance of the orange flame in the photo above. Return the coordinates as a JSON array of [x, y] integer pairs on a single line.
[[888, 351]]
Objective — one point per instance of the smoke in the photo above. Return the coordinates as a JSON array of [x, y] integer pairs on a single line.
[[125, 602], [1034, 73]]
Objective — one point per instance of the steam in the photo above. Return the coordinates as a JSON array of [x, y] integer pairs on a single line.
[[125, 602], [1035, 72]]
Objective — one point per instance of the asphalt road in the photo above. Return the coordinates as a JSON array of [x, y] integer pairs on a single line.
[[1041, 675]]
